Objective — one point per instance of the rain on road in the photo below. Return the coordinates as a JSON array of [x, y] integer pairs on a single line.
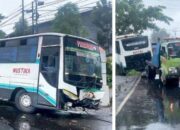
[[12, 119], [151, 107]]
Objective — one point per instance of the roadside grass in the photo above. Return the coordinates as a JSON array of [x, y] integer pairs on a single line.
[[175, 62], [133, 73]]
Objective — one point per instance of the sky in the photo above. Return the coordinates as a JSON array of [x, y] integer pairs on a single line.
[[9, 7], [172, 10]]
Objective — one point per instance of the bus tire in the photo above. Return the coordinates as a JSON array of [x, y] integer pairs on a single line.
[[174, 82], [23, 102], [120, 70], [151, 73]]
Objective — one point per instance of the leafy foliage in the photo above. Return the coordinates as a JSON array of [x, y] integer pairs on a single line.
[[2, 34], [19, 30], [109, 71], [133, 17], [1, 17], [68, 20], [102, 18]]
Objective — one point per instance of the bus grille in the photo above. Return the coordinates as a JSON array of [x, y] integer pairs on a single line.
[[137, 62]]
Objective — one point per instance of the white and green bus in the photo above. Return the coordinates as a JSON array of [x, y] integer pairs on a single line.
[[132, 51], [50, 71]]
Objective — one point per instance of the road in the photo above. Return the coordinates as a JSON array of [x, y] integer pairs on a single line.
[[12, 119], [151, 107], [124, 85]]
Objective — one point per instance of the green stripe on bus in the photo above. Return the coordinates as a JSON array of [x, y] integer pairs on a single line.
[[30, 89]]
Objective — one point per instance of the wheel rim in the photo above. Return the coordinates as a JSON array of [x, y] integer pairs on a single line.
[[24, 126], [25, 100]]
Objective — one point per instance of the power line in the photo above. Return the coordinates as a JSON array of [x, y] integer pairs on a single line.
[[50, 11], [13, 15]]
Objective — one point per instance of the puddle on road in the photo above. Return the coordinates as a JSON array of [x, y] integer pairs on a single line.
[[11, 119], [151, 107]]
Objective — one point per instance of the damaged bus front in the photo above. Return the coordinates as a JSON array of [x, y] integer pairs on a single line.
[[82, 69]]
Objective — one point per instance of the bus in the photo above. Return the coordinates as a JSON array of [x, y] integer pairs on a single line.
[[132, 51], [50, 71]]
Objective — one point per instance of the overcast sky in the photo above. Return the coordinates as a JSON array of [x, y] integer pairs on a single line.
[[8, 7], [172, 10]]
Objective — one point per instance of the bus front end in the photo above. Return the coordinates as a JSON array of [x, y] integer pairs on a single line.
[[136, 51], [82, 74]]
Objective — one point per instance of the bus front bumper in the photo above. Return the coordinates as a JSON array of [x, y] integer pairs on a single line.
[[87, 103]]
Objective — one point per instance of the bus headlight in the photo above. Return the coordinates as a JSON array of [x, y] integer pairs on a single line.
[[173, 70], [89, 95]]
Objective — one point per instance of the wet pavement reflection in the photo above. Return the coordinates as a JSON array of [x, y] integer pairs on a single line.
[[151, 107], [12, 119]]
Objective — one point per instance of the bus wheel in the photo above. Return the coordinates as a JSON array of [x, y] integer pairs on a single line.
[[151, 73], [120, 70], [23, 102]]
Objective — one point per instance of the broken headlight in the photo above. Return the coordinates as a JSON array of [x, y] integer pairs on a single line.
[[173, 70]]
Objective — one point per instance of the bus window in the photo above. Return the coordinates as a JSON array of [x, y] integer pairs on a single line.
[[50, 59], [2, 44], [27, 50], [51, 40], [163, 52], [117, 48], [50, 64], [19, 50]]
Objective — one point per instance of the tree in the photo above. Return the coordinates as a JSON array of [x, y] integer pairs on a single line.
[[67, 20], [2, 33], [102, 19], [133, 17], [1, 17], [19, 30], [161, 33]]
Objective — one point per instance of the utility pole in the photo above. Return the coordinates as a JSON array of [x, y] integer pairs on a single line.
[[36, 11], [23, 16], [33, 18], [35, 15]]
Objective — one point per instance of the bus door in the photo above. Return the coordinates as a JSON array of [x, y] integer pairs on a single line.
[[48, 76]]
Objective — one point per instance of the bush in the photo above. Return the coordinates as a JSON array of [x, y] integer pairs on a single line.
[[109, 71]]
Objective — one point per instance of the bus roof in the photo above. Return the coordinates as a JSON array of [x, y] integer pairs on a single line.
[[128, 36], [166, 43], [45, 34]]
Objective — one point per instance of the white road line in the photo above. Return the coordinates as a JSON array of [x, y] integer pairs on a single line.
[[127, 97]]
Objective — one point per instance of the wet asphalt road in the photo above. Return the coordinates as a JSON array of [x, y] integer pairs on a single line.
[[12, 119], [151, 107]]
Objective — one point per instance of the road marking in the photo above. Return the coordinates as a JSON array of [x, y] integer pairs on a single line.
[[127, 97]]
